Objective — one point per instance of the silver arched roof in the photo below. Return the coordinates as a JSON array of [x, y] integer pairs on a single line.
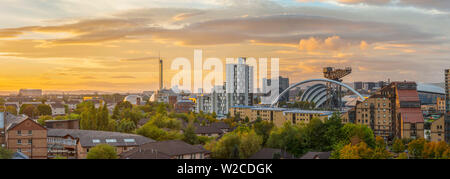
[[423, 87]]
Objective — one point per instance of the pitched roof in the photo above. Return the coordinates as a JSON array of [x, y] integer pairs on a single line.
[[17, 123], [90, 138], [220, 125], [268, 153], [57, 105], [316, 155], [207, 129], [408, 95], [11, 119], [167, 149]]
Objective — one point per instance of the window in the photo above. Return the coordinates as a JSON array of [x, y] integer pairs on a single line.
[[111, 140], [19, 150], [30, 141], [19, 132], [19, 141], [30, 132], [96, 141], [129, 140]]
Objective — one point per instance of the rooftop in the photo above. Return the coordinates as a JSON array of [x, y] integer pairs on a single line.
[[90, 138], [164, 149]]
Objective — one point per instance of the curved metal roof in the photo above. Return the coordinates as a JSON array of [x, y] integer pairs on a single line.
[[423, 87]]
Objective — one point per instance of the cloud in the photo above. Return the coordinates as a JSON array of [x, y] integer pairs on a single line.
[[331, 43], [443, 5]]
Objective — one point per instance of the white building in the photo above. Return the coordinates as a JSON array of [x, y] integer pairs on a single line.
[[58, 109], [239, 84]]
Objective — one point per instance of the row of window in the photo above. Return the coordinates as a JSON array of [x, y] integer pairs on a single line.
[[30, 132], [19, 141]]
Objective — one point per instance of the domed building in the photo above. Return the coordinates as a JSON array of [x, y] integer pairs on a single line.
[[134, 99]]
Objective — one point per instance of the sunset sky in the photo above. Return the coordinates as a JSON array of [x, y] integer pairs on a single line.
[[112, 45]]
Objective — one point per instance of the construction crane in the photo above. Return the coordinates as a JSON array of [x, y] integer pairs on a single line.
[[336, 74], [334, 92]]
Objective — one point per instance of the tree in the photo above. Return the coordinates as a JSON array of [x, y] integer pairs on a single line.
[[29, 110], [5, 153], [362, 132], [416, 148], [103, 118], [250, 144], [226, 147], [44, 110], [102, 151], [398, 146], [263, 129], [89, 118], [314, 136], [151, 131], [112, 125], [402, 155], [42, 119], [11, 110], [189, 135], [435, 150], [125, 125], [290, 138]]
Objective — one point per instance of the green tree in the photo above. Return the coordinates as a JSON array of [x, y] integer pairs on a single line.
[[362, 132], [263, 129], [402, 155], [103, 118], [151, 131], [44, 110], [5, 153], [398, 146], [189, 135], [42, 119], [250, 144], [290, 138], [126, 126], [29, 110], [102, 151], [416, 148], [11, 110]]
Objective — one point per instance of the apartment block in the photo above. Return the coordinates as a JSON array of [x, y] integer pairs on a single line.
[[27, 137]]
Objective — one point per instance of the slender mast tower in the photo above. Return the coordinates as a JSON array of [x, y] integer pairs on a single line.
[[161, 75]]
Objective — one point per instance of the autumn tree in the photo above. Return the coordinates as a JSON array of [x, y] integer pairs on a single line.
[[416, 148]]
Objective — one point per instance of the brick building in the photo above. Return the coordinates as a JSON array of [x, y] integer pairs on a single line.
[[27, 137], [407, 118], [63, 124]]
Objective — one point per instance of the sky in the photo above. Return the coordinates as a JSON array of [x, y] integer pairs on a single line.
[[112, 45]]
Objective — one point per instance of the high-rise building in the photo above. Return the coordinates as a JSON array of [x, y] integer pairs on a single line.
[[283, 84], [447, 89], [239, 84], [358, 85], [375, 112], [447, 104], [406, 114]]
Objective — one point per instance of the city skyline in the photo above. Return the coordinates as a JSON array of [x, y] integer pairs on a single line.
[[113, 47]]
